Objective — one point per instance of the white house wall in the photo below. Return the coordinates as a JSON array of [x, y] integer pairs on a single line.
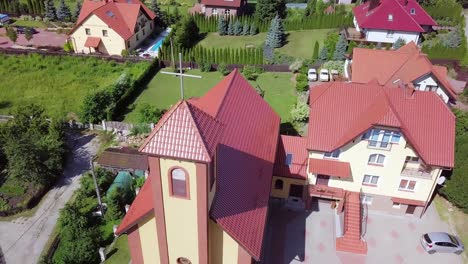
[[429, 80], [381, 36]]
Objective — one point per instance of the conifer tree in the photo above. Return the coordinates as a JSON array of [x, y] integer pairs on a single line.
[[276, 35], [50, 11], [323, 56], [266, 9], [245, 30], [63, 12], [159, 20], [77, 11], [230, 28], [399, 43], [316, 51], [310, 9], [237, 28], [253, 29], [222, 26], [340, 49]]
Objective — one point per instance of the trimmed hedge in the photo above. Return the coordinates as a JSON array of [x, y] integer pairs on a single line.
[[210, 24]]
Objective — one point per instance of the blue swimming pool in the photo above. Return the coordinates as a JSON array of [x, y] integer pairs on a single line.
[[156, 46]]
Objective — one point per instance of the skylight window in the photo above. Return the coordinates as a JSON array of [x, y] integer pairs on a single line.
[[390, 17], [288, 159], [110, 13], [413, 11]]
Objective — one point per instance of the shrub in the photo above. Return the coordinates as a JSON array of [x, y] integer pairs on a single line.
[[251, 72], [300, 112], [125, 53], [149, 114], [295, 66], [399, 43], [139, 181], [253, 29], [4, 206], [140, 129], [302, 86], [68, 47], [334, 65], [452, 39], [222, 68], [12, 190], [300, 77], [205, 66]]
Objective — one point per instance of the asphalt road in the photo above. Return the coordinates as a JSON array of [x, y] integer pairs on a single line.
[[23, 239]]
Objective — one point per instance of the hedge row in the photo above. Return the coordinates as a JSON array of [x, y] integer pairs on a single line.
[[200, 54], [210, 24], [31, 7], [438, 51]]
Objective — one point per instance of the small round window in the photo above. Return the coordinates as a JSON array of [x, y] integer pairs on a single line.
[[183, 260]]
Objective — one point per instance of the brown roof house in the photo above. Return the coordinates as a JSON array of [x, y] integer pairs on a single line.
[[219, 7]]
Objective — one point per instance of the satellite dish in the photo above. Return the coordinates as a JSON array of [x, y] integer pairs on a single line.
[[441, 180]]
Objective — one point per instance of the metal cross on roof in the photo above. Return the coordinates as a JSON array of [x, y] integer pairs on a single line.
[[181, 75]]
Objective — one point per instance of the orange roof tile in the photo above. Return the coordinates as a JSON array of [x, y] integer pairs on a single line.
[[341, 112], [404, 65], [330, 167]]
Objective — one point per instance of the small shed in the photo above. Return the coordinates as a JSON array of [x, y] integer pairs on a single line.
[[127, 159], [4, 19]]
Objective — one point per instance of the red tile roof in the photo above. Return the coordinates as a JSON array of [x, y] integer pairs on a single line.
[[184, 132], [408, 201], [92, 42], [221, 3], [405, 65], [141, 206], [341, 112], [243, 129], [297, 147], [120, 15], [330, 167], [377, 17]]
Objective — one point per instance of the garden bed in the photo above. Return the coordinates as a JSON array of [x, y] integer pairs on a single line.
[[15, 197]]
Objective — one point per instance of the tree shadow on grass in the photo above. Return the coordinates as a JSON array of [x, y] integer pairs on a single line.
[[112, 252], [5, 104]]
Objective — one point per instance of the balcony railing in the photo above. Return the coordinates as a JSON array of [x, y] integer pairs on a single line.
[[326, 191], [420, 172], [379, 144]]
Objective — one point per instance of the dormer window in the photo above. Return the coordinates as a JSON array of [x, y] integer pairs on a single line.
[[412, 11], [390, 17], [289, 157]]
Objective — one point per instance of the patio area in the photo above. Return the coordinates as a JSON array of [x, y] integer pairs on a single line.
[[353, 34]]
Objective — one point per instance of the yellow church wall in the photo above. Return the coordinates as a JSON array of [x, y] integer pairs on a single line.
[[149, 240], [223, 248], [180, 213], [284, 192]]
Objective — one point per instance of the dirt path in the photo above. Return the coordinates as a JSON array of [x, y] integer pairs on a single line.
[[23, 239]]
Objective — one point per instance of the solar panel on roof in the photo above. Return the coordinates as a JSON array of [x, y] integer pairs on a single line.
[[289, 159], [110, 13]]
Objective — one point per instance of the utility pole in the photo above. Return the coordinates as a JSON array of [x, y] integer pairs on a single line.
[[181, 75], [172, 53], [96, 186]]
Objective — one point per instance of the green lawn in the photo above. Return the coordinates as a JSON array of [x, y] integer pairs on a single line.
[[299, 44], [59, 84], [34, 24], [119, 253], [163, 91]]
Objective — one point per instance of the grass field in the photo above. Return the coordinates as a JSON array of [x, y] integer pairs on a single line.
[[119, 253], [34, 24], [57, 83], [299, 44], [163, 91]]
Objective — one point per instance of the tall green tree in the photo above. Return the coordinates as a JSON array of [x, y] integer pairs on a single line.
[[320, 6], [276, 36], [77, 11], [253, 29], [323, 55], [230, 29], [340, 49], [222, 26], [50, 11], [11, 34], [237, 28], [28, 34], [63, 12], [316, 51], [187, 32], [266, 10], [246, 29], [159, 20], [310, 9]]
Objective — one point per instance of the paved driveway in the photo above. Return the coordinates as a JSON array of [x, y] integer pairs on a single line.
[[294, 237], [43, 38], [23, 239]]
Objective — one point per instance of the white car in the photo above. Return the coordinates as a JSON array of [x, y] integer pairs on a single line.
[[324, 75], [312, 75]]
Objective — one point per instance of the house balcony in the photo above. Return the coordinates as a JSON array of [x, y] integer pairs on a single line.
[[323, 191], [420, 172], [353, 34]]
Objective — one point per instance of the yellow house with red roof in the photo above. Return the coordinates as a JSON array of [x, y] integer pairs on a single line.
[[111, 26], [216, 161]]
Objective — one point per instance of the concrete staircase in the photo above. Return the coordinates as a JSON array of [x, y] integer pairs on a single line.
[[351, 240]]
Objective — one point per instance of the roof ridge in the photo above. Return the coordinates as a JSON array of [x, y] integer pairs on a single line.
[[399, 68], [235, 72], [321, 94]]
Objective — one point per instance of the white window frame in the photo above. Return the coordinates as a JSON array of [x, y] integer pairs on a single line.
[[214, 11], [396, 205], [412, 11], [367, 199], [390, 33], [407, 184], [376, 160], [411, 159], [378, 136], [390, 17], [88, 31], [227, 12], [371, 177], [332, 155], [105, 33]]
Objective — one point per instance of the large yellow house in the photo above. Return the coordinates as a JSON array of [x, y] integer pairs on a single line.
[[111, 26], [215, 161]]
